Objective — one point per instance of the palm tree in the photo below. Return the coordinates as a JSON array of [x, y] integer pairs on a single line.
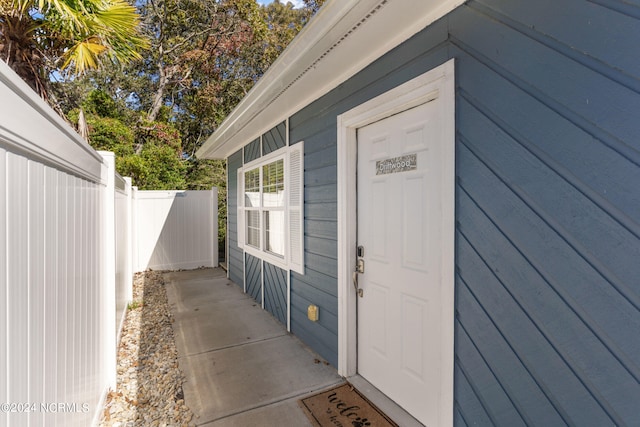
[[38, 37]]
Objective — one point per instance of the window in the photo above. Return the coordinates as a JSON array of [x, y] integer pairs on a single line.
[[252, 205], [264, 192], [270, 208]]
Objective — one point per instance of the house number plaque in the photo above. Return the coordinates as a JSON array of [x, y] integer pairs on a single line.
[[397, 164]]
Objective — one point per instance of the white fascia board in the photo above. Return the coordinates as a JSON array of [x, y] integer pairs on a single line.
[[29, 126], [341, 40]]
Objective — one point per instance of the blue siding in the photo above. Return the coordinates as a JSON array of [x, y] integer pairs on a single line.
[[235, 255], [275, 292], [316, 125], [319, 284], [244, 268], [253, 277], [274, 139], [252, 151], [547, 207]]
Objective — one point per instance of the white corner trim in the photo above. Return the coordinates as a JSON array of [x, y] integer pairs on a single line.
[[226, 223], [434, 83], [347, 202]]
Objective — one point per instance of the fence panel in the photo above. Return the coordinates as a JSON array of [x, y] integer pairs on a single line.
[[175, 229], [52, 353], [67, 259], [123, 253], [53, 349]]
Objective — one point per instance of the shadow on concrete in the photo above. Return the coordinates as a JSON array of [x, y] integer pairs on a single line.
[[241, 367]]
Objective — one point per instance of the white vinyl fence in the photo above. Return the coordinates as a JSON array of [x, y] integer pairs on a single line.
[[169, 229], [67, 238], [124, 233]]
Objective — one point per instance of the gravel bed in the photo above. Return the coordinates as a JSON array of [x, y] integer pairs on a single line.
[[149, 382]]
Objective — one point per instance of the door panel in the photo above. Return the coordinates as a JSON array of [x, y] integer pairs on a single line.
[[400, 197]]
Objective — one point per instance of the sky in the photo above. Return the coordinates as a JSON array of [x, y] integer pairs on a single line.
[[296, 3]]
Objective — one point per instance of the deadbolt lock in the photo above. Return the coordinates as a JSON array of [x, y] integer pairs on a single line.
[[359, 270]]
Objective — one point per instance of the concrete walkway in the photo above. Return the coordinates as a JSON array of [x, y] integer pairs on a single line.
[[242, 368]]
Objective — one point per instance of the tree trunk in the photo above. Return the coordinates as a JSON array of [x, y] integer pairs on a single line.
[[158, 98], [17, 51]]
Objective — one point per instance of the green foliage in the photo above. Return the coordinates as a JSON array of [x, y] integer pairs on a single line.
[[157, 163], [151, 153], [155, 168], [110, 134], [205, 55], [99, 102], [133, 305], [167, 169], [159, 134], [40, 36], [227, 65]]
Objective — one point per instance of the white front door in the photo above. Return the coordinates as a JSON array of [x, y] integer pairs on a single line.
[[402, 325]]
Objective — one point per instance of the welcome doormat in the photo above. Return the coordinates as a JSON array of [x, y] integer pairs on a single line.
[[343, 406]]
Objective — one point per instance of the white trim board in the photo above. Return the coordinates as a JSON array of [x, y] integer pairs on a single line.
[[434, 83]]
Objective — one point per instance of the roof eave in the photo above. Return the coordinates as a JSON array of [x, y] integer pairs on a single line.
[[323, 55]]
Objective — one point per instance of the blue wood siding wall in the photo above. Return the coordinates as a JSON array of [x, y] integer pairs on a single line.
[[244, 268], [253, 277], [274, 139], [547, 207], [274, 278], [319, 283], [275, 292], [547, 285], [235, 255], [252, 151]]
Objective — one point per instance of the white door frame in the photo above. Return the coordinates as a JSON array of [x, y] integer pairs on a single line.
[[438, 82]]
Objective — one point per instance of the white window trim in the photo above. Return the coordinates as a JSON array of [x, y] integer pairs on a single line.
[[286, 262]]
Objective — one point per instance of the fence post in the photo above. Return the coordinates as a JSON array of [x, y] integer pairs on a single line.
[[214, 226], [135, 235], [129, 244], [109, 269]]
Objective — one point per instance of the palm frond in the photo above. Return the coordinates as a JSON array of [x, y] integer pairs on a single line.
[[78, 33], [119, 16], [84, 55], [71, 13]]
